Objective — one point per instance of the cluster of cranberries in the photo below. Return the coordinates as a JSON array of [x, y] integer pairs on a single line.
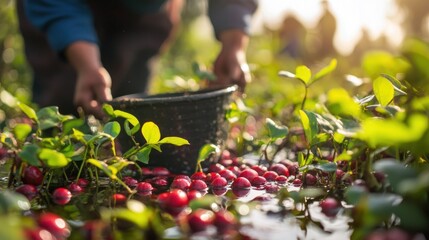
[[49, 226]]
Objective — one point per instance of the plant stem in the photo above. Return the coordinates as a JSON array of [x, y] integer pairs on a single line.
[[305, 97]]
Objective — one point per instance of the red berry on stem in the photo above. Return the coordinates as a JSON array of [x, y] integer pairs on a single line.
[[82, 182], [119, 198], [32, 175], [75, 189], [61, 196]]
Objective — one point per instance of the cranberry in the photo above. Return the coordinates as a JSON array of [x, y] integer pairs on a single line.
[[176, 201], [249, 174], [130, 182], [75, 189], [159, 182], [200, 219], [310, 179], [226, 155], [211, 176], [280, 169], [330, 206], [219, 191], [38, 234], [119, 198], [32, 175], [216, 167], [259, 169], [234, 169], [297, 182], [144, 188], [160, 171], [241, 183], [198, 175], [281, 179], [183, 176], [194, 194], [61, 196], [180, 183], [198, 185], [258, 182], [271, 188], [339, 174], [29, 191], [271, 175], [82, 182], [228, 175], [219, 182], [224, 221], [146, 171], [56, 225]]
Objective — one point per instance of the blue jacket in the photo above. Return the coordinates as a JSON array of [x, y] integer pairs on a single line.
[[67, 21]]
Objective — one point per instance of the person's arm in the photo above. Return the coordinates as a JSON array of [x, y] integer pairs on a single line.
[[231, 22], [69, 28]]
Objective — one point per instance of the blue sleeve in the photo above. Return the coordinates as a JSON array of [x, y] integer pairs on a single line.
[[63, 21], [231, 14]]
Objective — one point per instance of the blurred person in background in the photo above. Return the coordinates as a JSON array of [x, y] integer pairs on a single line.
[[86, 52]]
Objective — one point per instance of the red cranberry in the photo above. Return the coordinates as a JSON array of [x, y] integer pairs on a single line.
[[280, 169], [219, 191], [54, 224], [198, 185], [310, 179], [61, 196], [241, 183], [160, 171], [130, 182], [219, 182], [75, 189], [146, 171], [271, 175], [194, 194], [200, 219], [29, 191], [249, 174], [258, 181], [211, 176], [224, 221], [240, 192], [159, 182], [297, 182], [144, 188], [198, 175], [228, 175], [38, 234], [82, 182], [330, 206], [281, 179], [271, 188], [32, 175], [183, 176], [176, 201], [216, 167], [180, 183], [119, 198], [339, 174], [234, 169], [259, 169]]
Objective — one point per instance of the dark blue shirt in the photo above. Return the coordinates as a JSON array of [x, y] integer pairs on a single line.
[[67, 21]]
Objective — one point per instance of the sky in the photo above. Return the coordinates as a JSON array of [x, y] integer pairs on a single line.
[[376, 16]]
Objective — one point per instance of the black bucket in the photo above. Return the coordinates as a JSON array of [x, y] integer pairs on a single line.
[[197, 116]]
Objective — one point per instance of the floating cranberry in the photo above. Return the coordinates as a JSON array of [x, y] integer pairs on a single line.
[[216, 167], [61, 196], [198, 185], [224, 221], [180, 183], [259, 169], [200, 219], [258, 182], [144, 188], [281, 179], [271, 175], [241, 183], [280, 169], [219, 183], [310, 179], [194, 194], [29, 191], [330, 206], [130, 182], [228, 175], [249, 174], [240, 192], [297, 182], [219, 191], [55, 224], [234, 169], [183, 176], [271, 188], [75, 189], [175, 201], [198, 175], [159, 182], [211, 176], [32, 175]]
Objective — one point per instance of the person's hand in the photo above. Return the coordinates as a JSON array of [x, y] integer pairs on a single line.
[[92, 90], [93, 86], [231, 66]]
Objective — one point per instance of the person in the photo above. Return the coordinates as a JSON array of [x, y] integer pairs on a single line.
[[86, 52]]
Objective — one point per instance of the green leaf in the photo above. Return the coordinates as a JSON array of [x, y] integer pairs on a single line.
[[13, 202], [177, 141], [131, 118], [78, 135], [143, 155], [112, 128], [327, 167], [108, 109], [151, 133], [383, 90], [135, 213], [207, 150], [21, 131], [396, 172], [309, 123], [49, 117], [52, 158], [325, 71], [275, 131], [72, 123], [303, 73], [340, 103], [29, 154], [109, 171], [28, 111], [411, 215]]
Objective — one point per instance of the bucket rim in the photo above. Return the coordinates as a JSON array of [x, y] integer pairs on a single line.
[[139, 98]]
